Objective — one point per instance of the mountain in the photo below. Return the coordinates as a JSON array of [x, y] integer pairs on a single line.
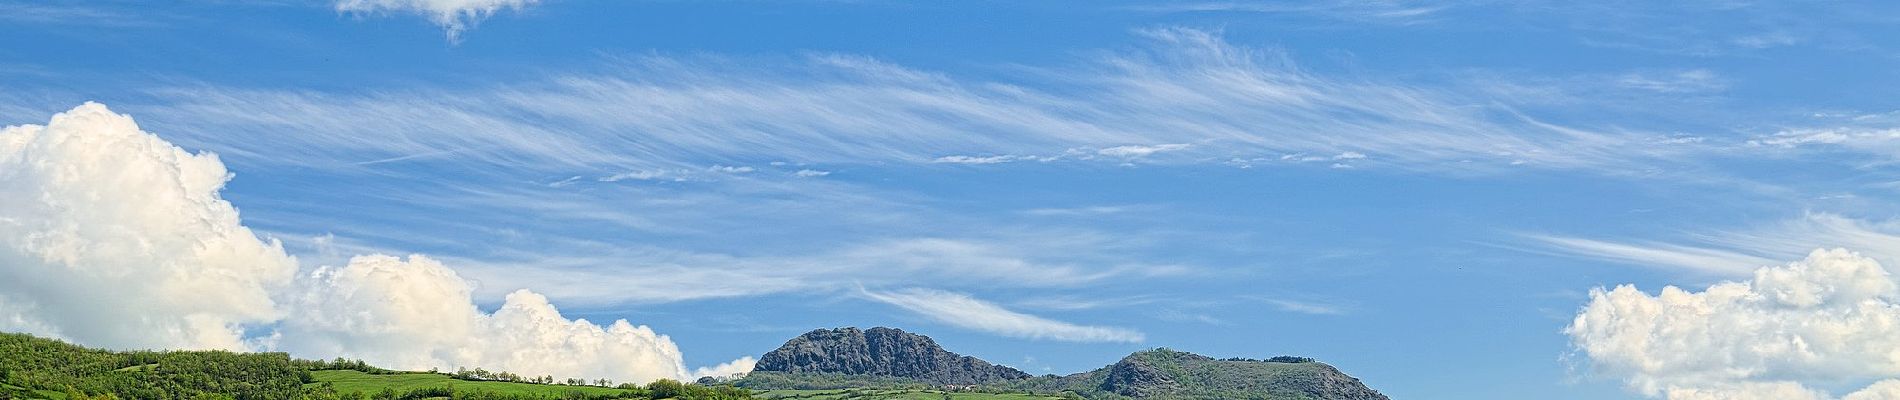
[[891, 358], [1169, 374], [884, 352]]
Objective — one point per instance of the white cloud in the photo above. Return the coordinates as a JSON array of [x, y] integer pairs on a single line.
[[1735, 253], [113, 237], [120, 239], [418, 314], [639, 176], [1832, 317], [964, 311], [619, 274], [1305, 307], [728, 169], [1189, 93], [1699, 259], [1884, 390], [735, 368], [1674, 82], [454, 16], [1879, 142], [975, 159], [1375, 12], [810, 173], [1133, 151]]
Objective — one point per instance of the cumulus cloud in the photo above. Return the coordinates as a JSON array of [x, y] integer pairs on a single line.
[[1832, 317], [968, 312], [418, 314], [454, 16], [113, 237], [735, 368]]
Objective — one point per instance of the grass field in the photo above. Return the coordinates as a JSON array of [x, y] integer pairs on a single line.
[[346, 381], [868, 394]]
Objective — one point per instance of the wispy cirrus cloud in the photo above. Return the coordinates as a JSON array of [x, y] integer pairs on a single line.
[[963, 311], [1721, 262], [1736, 252], [1399, 12], [625, 273], [1305, 307], [80, 14], [1189, 97]]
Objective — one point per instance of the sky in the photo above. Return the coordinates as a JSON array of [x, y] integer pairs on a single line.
[[1464, 199]]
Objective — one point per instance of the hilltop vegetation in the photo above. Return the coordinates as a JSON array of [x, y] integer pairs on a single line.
[[1169, 374], [891, 359], [36, 368]]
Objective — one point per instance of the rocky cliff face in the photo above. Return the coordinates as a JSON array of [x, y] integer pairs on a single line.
[[881, 352]]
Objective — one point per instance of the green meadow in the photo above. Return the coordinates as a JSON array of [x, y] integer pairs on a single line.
[[347, 381]]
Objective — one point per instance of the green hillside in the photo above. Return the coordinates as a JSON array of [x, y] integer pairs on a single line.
[[37, 368], [1169, 374]]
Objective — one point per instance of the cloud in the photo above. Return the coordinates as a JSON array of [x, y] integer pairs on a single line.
[[727, 169], [810, 173], [454, 16], [1081, 211], [1140, 151], [1188, 93], [1832, 317], [78, 15], [641, 176], [1736, 253], [418, 314], [1676, 82], [735, 368], [1698, 259], [967, 312], [1305, 307], [1878, 141], [619, 274], [113, 237], [1370, 12], [975, 159], [120, 239]]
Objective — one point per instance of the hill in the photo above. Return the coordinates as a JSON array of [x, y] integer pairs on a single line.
[[38, 368], [891, 359], [1169, 374], [885, 352]]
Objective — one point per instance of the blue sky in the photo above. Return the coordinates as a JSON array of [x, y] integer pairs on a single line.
[[1422, 194]]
